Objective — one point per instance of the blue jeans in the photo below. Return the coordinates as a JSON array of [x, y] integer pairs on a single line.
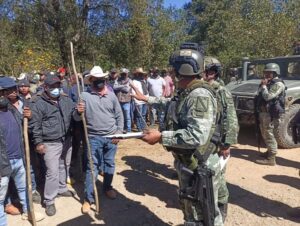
[[126, 107], [140, 116], [19, 177], [103, 155], [3, 191]]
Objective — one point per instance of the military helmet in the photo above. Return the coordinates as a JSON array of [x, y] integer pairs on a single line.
[[212, 64], [187, 62], [272, 67]]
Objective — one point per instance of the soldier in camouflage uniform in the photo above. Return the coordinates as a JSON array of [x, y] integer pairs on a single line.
[[229, 128], [270, 101], [191, 129]]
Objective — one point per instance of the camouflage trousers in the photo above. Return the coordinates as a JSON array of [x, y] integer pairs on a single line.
[[223, 193], [192, 211], [267, 130]]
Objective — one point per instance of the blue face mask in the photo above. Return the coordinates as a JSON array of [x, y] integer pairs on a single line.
[[55, 92]]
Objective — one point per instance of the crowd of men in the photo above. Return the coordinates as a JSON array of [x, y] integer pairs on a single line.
[[197, 123], [49, 100]]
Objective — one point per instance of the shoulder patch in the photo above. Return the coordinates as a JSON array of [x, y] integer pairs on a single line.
[[200, 106]]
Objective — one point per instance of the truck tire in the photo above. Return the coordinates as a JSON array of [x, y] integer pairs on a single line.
[[283, 133]]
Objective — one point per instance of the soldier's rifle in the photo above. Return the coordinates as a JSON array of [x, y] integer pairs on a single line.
[[201, 192], [89, 152], [257, 102]]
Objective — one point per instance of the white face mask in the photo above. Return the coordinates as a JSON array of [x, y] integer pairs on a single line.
[[55, 92]]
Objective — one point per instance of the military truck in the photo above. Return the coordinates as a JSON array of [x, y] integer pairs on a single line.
[[245, 88]]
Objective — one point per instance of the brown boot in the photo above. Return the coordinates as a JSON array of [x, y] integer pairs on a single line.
[[12, 210], [270, 161], [111, 194]]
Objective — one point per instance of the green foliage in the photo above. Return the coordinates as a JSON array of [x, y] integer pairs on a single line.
[[239, 28], [117, 33]]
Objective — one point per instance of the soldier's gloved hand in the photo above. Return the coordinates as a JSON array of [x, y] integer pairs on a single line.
[[27, 112], [40, 148], [151, 136]]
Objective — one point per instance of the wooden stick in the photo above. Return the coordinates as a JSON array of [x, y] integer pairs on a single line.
[[28, 174], [89, 152]]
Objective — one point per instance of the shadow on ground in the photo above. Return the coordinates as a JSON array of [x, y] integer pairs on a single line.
[[144, 179], [283, 179], [119, 212], [150, 167], [251, 155], [259, 205]]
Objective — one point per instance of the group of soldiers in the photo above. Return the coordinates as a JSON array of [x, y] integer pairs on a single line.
[[200, 127]]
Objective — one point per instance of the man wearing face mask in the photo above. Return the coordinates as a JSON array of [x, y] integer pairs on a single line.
[[51, 132], [11, 123], [104, 117], [122, 90]]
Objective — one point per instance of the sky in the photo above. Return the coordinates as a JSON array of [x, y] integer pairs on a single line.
[[176, 3]]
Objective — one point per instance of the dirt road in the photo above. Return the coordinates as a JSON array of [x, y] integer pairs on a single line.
[[260, 195]]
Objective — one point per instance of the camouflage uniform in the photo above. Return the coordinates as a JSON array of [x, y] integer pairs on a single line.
[[230, 130], [190, 124], [267, 124]]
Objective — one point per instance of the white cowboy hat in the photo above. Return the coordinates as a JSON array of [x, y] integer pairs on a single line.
[[96, 72], [22, 76]]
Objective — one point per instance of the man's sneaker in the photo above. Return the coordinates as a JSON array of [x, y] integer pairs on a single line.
[[36, 197], [111, 194], [85, 207], [38, 216], [12, 210], [50, 210], [67, 194]]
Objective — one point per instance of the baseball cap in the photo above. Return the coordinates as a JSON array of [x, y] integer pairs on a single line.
[[51, 79], [24, 82]]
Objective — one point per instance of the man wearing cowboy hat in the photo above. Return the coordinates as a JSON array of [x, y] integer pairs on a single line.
[[140, 108], [104, 117]]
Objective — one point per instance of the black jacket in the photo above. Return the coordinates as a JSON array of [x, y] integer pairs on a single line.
[[51, 122], [5, 168]]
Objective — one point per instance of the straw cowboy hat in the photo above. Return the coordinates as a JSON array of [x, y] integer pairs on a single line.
[[96, 72], [139, 70]]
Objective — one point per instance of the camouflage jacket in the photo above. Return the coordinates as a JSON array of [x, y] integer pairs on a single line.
[[273, 91], [190, 120], [230, 125]]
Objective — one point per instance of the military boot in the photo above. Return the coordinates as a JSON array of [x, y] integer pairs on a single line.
[[223, 209], [264, 154], [191, 223], [269, 161]]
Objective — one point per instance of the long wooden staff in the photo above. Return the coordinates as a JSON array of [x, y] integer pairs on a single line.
[[89, 152], [28, 174]]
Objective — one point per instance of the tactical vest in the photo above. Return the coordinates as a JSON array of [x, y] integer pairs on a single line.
[[217, 132], [274, 107]]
